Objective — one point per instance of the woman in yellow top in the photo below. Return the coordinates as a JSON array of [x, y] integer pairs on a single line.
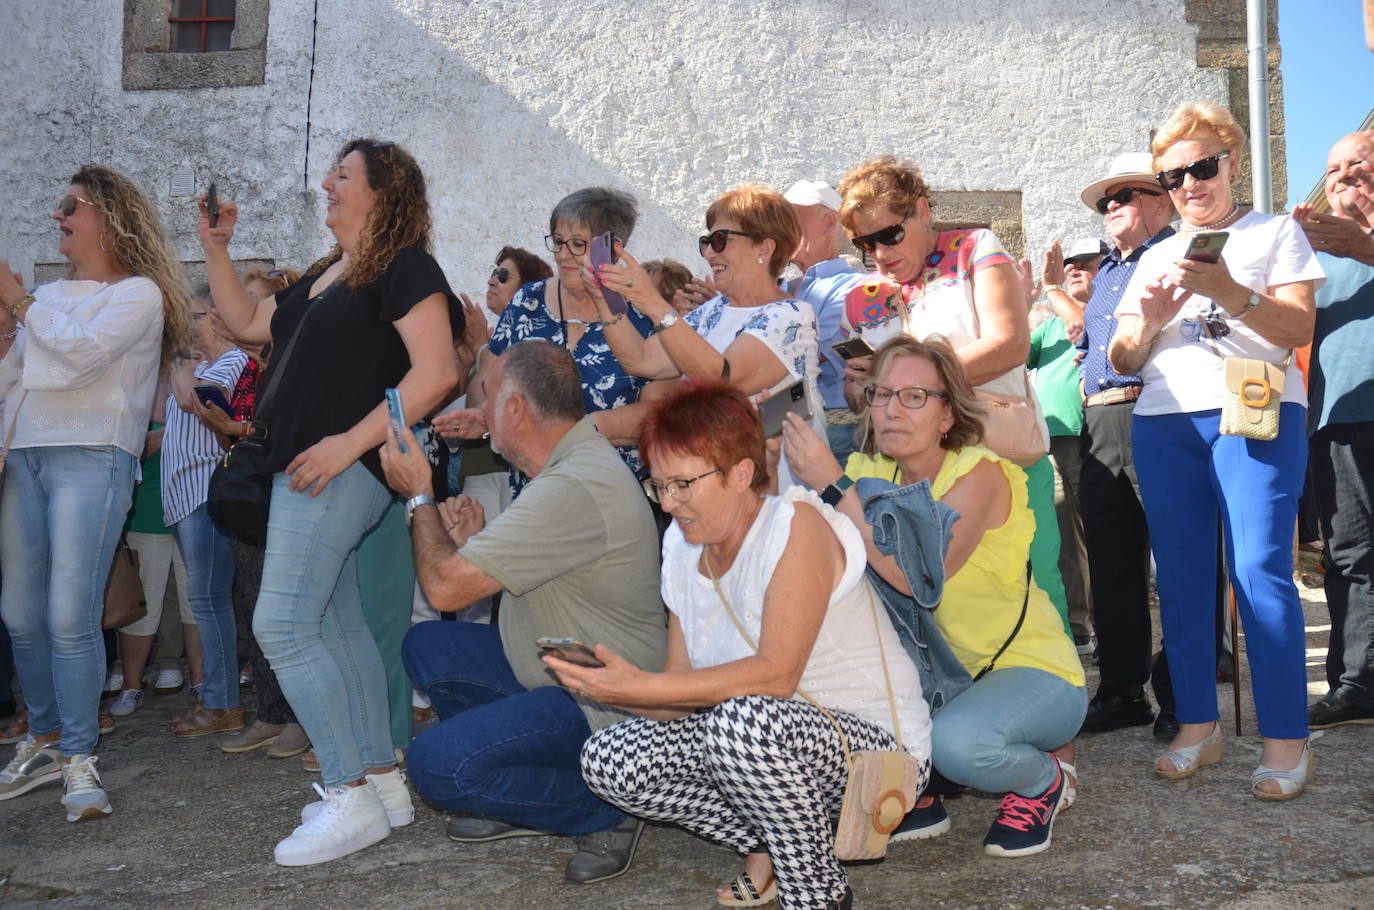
[[997, 735]]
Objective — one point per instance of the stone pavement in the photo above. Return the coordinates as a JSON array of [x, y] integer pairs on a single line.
[[193, 827]]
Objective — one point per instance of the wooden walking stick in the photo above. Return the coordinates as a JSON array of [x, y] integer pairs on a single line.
[[1235, 654]]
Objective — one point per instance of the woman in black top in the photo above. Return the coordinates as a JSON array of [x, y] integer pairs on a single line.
[[375, 312]]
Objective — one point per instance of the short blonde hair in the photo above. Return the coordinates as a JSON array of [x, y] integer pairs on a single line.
[[887, 181], [761, 212], [1188, 120], [967, 428]]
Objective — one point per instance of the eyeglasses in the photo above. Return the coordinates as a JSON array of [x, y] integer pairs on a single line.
[[575, 245], [888, 236], [1204, 169], [68, 204], [913, 397], [717, 239], [501, 274], [1124, 196], [679, 490]]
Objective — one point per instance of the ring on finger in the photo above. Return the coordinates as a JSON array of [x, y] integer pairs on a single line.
[[629, 282]]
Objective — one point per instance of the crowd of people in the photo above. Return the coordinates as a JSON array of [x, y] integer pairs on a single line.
[[707, 539]]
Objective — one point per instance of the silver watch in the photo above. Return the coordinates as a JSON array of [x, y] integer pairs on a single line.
[[424, 499], [1251, 304], [667, 322]]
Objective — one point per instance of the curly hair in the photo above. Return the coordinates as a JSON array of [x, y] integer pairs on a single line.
[[963, 404], [139, 245], [887, 181], [400, 215], [1187, 120], [530, 267]]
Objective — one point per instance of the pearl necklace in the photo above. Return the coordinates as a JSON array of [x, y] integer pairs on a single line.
[[1189, 229]]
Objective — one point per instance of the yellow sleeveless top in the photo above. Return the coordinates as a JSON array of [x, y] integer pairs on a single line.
[[983, 599]]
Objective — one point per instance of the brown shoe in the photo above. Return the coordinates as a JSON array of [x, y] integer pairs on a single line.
[[292, 741], [256, 736], [201, 721]]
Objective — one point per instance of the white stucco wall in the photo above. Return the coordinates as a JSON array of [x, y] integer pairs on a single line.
[[510, 104]]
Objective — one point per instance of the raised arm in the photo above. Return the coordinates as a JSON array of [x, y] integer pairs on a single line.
[[248, 319]]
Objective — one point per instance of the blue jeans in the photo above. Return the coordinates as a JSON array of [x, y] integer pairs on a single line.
[[1189, 473], [499, 750], [997, 734], [60, 517], [209, 559], [309, 621]]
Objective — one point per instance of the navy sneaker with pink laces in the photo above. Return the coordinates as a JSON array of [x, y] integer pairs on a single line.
[[1024, 823]]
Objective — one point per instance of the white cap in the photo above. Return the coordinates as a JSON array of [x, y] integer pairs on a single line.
[[1130, 167], [1084, 249], [813, 192]]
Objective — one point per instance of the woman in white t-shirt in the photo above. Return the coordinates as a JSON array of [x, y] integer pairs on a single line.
[[1177, 322], [770, 616]]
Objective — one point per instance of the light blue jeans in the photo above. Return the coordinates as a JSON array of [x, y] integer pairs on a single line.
[[309, 621], [60, 517], [996, 735], [209, 559]]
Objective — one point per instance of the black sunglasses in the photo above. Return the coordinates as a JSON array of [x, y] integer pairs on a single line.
[[717, 239], [501, 274], [68, 204], [888, 236], [1124, 197], [1204, 169]]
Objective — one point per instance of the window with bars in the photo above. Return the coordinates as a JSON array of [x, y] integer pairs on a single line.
[[201, 26]]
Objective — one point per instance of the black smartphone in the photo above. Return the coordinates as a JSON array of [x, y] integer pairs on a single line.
[[852, 348], [569, 649], [212, 204], [1206, 246], [211, 394], [602, 251], [789, 400]]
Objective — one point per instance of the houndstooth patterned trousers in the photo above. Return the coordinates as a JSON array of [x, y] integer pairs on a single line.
[[754, 773]]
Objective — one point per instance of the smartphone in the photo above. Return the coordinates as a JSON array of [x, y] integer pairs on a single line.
[[569, 649], [212, 394], [398, 418], [789, 400], [602, 251], [212, 204], [852, 348], [1206, 246]]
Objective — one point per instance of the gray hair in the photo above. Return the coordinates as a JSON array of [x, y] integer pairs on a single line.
[[544, 374], [599, 209]]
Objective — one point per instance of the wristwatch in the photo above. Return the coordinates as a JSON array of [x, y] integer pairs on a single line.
[[667, 322], [832, 494], [1251, 304], [424, 499]]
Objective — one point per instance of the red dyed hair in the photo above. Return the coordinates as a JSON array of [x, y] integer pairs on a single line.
[[708, 420]]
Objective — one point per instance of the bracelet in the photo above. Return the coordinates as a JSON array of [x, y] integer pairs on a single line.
[[18, 306], [610, 322], [10, 334], [1053, 287]]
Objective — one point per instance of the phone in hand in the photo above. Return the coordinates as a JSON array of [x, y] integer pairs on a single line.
[[853, 348], [789, 400], [569, 649], [212, 204], [602, 251], [1206, 246], [397, 414], [210, 393]]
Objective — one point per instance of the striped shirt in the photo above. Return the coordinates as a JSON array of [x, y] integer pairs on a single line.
[[189, 448]]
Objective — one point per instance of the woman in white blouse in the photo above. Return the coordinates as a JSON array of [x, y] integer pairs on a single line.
[[732, 743], [79, 362]]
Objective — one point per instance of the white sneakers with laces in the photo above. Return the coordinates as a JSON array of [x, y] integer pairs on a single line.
[[349, 819], [126, 703], [84, 797], [391, 790]]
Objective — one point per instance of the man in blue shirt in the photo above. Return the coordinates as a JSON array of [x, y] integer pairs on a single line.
[[1136, 215], [1340, 417], [825, 280]]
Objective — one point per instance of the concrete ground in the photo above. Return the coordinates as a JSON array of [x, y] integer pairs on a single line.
[[193, 827]]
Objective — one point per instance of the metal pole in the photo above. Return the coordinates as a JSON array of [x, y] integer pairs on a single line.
[[1257, 55]]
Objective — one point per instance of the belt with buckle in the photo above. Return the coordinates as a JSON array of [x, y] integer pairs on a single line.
[[1113, 396]]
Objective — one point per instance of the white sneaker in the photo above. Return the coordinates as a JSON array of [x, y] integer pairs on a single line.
[[85, 797], [169, 680], [350, 819], [391, 789], [115, 681], [126, 703], [33, 765]]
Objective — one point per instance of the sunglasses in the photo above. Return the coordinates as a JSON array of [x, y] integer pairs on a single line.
[[888, 236], [575, 245], [68, 204], [1205, 169], [1124, 197], [501, 274], [717, 239], [1082, 262]]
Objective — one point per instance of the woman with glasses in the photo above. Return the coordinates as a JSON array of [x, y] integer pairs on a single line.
[[753, 335], [375, 312], [79, 363], [776, 641], [997, 735], [1180, 320], [515, 268]]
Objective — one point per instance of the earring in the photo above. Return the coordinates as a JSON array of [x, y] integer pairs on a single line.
[[760, 260], [101, 241]]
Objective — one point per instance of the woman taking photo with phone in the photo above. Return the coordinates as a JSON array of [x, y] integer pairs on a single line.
[[79, 362], [1190, 327], [375, 312]]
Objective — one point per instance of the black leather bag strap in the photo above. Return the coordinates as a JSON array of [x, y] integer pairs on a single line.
[[1019, 622], [263, 411]]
